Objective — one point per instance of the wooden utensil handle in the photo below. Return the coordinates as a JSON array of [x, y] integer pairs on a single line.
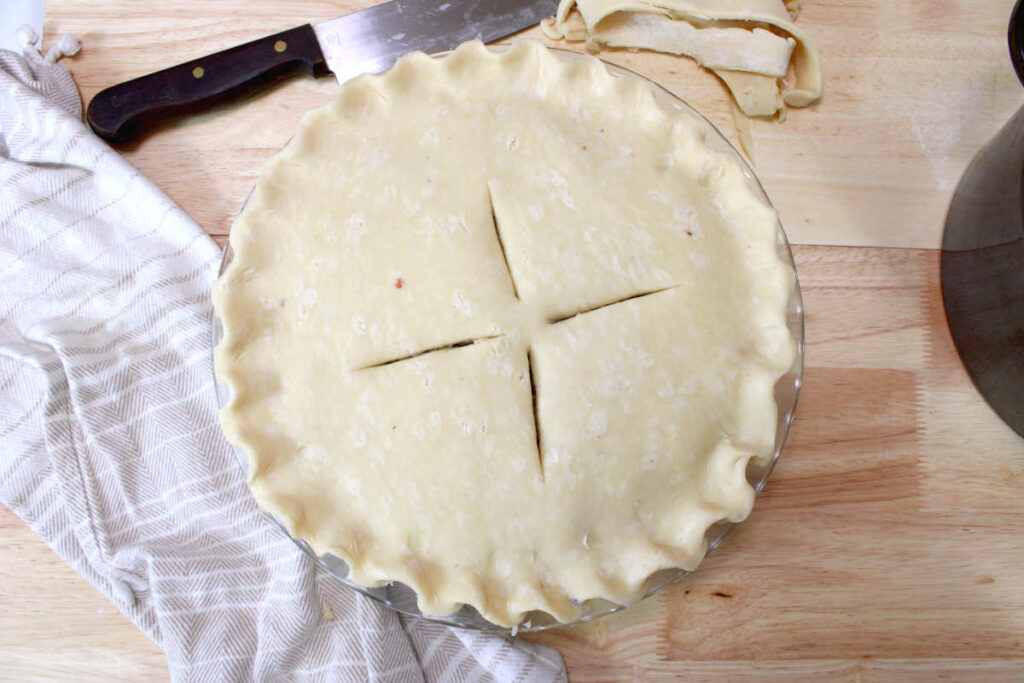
[[118, 112]]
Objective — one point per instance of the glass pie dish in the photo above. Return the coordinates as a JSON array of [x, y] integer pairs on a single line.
[[403, 599]]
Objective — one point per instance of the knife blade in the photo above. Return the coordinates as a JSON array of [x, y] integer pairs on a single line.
[[371, 40], [367, 41]]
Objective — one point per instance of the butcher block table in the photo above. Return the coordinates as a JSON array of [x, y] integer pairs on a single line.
[[889, 544]]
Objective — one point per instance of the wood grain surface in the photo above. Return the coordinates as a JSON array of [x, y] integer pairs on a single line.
[[912, 90], [888, 543]]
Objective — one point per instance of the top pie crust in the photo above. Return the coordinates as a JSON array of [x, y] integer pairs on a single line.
[[442, 240]]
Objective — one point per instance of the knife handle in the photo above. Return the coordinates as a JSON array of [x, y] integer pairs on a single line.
[[117, 113]]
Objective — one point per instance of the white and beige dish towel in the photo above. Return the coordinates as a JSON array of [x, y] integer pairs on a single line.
[[111, 450]]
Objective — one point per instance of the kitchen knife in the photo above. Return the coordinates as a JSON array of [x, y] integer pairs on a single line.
[[368, 41]]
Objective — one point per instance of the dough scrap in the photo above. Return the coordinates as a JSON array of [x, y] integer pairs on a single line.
[[501, 328], [726, 37]]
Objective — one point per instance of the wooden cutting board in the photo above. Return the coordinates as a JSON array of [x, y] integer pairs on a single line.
[[913, 89], [888, 543]]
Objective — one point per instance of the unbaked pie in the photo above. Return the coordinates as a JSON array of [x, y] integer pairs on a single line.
[[502, 329]]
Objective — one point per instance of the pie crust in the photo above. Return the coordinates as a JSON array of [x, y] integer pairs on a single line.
[[502, 329]]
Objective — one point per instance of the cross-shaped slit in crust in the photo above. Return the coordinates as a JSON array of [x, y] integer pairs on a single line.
[[501, 242], [623, 300], [529, 351], [432, 349], [536, 414]]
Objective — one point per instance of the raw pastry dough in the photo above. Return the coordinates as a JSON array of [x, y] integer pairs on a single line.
[[727, 37], [502, 329]]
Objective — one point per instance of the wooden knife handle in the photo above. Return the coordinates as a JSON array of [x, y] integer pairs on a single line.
[[118, 112]]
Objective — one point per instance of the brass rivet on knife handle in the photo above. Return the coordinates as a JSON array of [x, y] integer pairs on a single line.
[[119, 112]]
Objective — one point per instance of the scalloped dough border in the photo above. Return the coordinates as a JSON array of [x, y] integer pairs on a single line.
[[721, 492]]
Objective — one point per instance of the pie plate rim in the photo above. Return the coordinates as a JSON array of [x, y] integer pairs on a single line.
[[401, 598]]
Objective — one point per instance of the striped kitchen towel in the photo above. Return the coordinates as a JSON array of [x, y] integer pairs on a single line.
[[110, 447]]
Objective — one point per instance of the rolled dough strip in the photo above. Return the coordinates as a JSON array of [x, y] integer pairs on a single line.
[[755, 94], [737, 49], [736, 28]]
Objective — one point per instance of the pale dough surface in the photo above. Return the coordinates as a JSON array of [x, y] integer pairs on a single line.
[[442, 242]]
